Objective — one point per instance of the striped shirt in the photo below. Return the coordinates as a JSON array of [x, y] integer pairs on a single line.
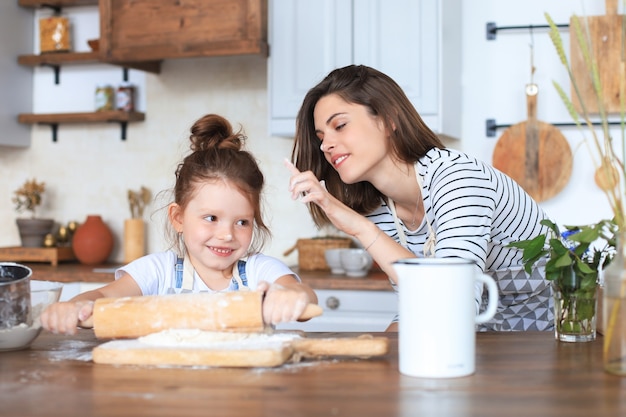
[[476, 211]]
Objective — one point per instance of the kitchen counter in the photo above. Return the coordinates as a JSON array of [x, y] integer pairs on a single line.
[[517, 374], [76, 272]]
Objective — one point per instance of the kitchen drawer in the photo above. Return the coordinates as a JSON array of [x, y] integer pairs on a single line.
[[72, 289], [350, 311]]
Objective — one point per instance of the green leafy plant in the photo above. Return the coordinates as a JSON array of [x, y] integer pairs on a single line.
[[573, 259]]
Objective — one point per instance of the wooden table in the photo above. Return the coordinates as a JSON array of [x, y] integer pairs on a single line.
[[518, 374]]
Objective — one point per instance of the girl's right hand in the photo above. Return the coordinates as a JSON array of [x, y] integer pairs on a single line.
[[65, 317]]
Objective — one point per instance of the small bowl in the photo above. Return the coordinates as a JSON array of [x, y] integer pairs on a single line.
[[94, 44], [42, 294]]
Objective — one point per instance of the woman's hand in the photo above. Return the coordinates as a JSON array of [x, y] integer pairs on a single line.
[[282, 303], [306, 187], [65, 317]]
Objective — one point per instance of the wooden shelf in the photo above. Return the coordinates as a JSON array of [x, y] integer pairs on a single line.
[[58, 58], [55, 59], [23, 254], [56, 3], [90, 117], [54, 119]]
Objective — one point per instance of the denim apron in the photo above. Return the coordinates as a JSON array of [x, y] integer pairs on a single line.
[[185, 273]]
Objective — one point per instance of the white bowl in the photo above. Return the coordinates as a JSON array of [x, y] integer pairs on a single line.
[[42, 294], [356, 262]]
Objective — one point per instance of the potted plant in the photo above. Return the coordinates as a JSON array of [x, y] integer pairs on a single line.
[[27, 198], [574, 259]]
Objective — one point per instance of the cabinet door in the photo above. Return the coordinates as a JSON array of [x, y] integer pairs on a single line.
[[16, 82], [308, 38], [400, 38]]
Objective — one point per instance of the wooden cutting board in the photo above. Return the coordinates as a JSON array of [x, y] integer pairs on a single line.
[[257, 350], [605, 33], [534, 153]]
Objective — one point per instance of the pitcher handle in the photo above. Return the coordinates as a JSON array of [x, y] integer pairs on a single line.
[[492, 305]]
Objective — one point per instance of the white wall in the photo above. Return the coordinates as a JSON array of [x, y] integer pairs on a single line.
[[89, 169]]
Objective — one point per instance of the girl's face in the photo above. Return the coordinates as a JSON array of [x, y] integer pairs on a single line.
[[354, 142], [217, 227]]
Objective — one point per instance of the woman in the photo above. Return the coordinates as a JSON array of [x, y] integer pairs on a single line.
[[372, 168]]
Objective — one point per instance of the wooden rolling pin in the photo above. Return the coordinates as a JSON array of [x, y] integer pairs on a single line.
[[132, 317]]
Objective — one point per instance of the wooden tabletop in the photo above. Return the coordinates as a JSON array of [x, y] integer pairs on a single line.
[[517, 374]]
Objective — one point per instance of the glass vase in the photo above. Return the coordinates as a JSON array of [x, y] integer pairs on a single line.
[[614, 311], [574, 310]]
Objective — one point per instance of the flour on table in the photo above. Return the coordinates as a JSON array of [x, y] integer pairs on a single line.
[[193, 338]]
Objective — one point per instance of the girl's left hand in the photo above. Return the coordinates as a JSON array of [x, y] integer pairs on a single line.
[[282, 304]]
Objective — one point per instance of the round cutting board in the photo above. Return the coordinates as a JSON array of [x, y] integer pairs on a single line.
[[534, 153]]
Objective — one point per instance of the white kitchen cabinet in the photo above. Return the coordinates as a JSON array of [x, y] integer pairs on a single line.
[[16, 82], [416, 42], [350, 311]]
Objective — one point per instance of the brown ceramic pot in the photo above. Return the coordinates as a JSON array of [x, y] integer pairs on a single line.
[[93, 241]]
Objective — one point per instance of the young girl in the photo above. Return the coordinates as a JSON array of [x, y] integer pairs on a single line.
[[219, 231], [388, 181]]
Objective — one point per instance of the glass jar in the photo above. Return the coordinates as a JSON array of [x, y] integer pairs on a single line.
[[125, 97], [614, 311], [105, 98]]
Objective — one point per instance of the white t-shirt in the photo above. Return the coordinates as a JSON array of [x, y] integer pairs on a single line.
[[156, 273]]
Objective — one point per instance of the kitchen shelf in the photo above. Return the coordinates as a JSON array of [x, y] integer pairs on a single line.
[[56, 3], [55, 59], [54, 119]]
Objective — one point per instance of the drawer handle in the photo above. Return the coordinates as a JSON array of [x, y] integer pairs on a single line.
[[332, 303]]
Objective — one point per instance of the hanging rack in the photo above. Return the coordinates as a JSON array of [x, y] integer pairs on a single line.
[[491, 126], [492, 29]]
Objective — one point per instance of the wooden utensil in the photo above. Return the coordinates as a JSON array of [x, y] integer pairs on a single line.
[[605, 34], [534, 153], [131, 317], [236, 354]]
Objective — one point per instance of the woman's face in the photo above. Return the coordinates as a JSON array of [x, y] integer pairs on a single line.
[[354, 142], [217, 226]]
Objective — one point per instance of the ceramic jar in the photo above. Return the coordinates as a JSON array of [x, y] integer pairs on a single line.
[[93, 241]]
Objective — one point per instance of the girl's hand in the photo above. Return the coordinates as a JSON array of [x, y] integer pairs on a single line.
[[65, 317], [306, 187], [282, 304]]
